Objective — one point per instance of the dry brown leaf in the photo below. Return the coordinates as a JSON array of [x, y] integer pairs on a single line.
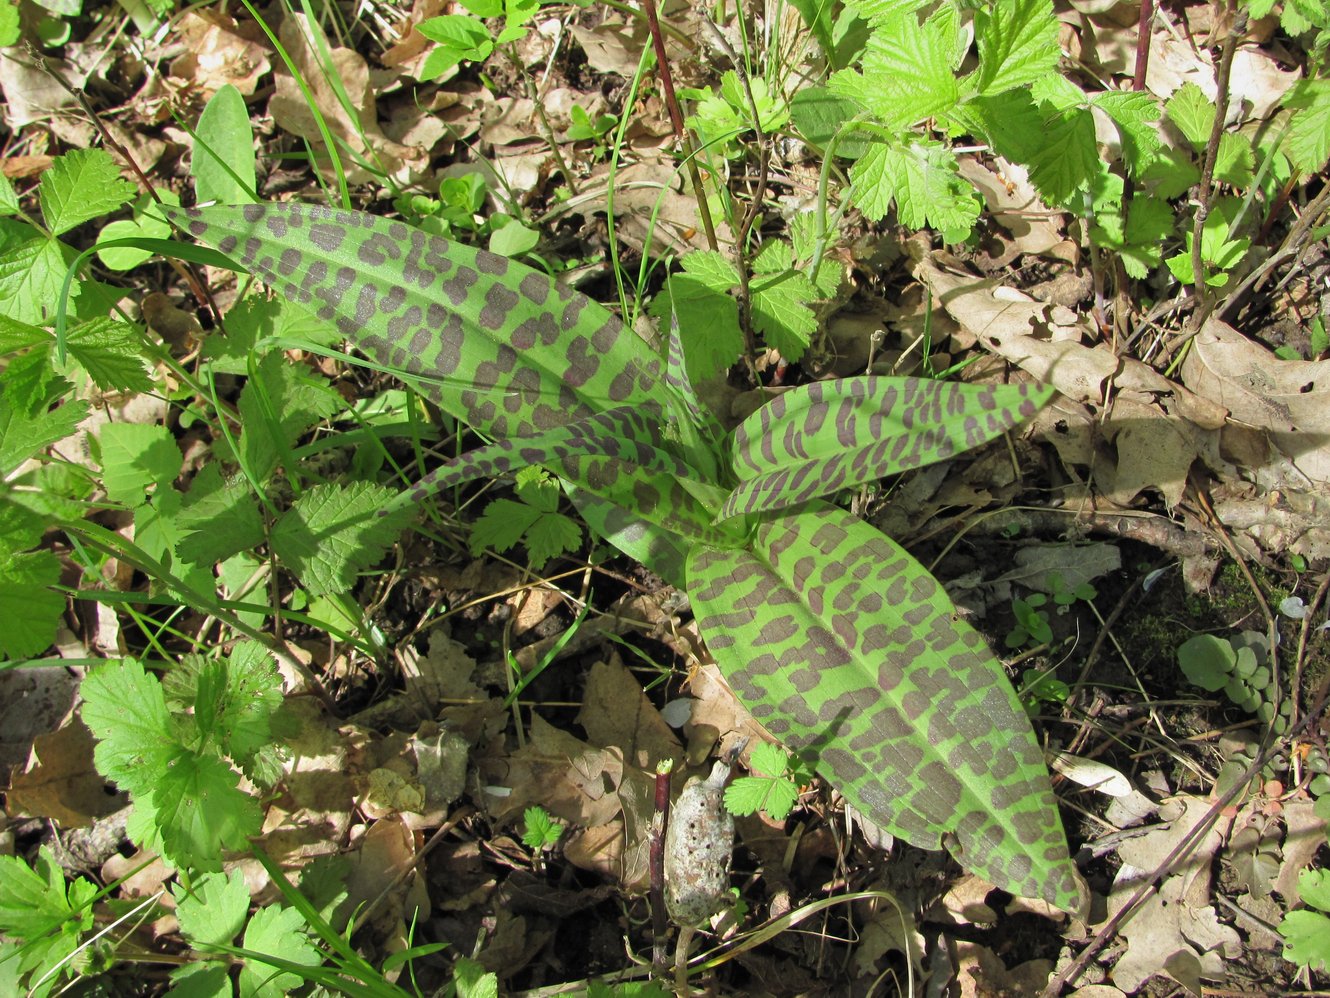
[[217, 53], [980, 973], [32, 92], [571, 779], [613, 46], [32, 702], [615, 711], [356, 128], [1289, 400], [60, 781], [413, 45], [383, 866], [1177, 932], [1304, 834], [1015, 204]]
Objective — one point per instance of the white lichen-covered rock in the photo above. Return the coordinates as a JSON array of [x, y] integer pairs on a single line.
[[699, 844]]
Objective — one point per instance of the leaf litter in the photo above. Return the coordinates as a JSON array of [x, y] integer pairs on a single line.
[[364, 791]]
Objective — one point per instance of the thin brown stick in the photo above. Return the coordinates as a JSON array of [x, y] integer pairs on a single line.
[[676, 119]]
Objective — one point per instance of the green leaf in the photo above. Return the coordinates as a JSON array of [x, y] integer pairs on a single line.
[[1233, 160], [1314, 888], [136, 456], [219, 518], [492, 342], [251, 326], [144, 225], [1306, 939], [201, 980], [279, 932], [1141, 242], [112, 354], [125, 710], [29, 604], [1307, 144], [1068, 157], [223, 161], [213, 912], [512, 239], [819, 115], [540, 831], [79, 186], [922, 178], [9, 28], [473, 981], [1135, 114], [31, 277], [1191, 113], [816, 15], [333, 532], [23, 435], [1207, 660], [781, 312], [847, 649], [708, 319], [276, 406], [829, 435], [34, 902], [1018, 43], [200, 812], [908, 69]]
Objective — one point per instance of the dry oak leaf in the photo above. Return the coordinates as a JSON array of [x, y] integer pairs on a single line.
[[216, 53], [60, 781], [1289, 400]]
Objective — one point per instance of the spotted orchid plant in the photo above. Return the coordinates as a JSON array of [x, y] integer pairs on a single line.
[[829, 632]]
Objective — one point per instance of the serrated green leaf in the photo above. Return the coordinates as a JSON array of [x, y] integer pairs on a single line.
[[474, 981], [34, 902], [908, 69], [213, 912], [768, 759], [922, 179], [1068, 158], [279, 932], [1306, 939], [501, 526], [712, 269], [550, 536], [1135, 114], [1140, 242], [23, 435], [79, 186], [1234, 160], [8, 196], [31, 277], [134, 457], [125, 710], [201, 980], [111, 353], [218, 519], [1191, 113], [29, 605], [20, 527], [708, 322], [200, 812], [1307, 144], [276, 406], [333, 532], [1018, 44], [223, 161], [782, 314]]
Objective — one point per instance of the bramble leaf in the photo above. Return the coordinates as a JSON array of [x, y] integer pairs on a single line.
[[79, 186], [112, 354], [199, 810], [780, 301], [1018, 43], [218, 518], [136, 456], [333, 532], [1307, 144], [1192, 113], [29, 605]]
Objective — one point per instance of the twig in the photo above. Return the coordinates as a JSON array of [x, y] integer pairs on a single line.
[[1143, 44], [1204, 189], [660, 820], [676, 119]]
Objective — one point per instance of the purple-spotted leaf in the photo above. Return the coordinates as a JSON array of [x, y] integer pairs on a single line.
[[830, 435], [500, 346], [849, 651]]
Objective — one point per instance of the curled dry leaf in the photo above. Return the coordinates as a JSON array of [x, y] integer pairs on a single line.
[[698, 847], [1289, 400], [1157, 427], [217, 53]]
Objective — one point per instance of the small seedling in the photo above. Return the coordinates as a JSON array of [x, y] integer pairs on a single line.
[[540, 831], [534, 519], [1032, 624], [1238, 666], [584, 128], [1041, 686], [775, 793]]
